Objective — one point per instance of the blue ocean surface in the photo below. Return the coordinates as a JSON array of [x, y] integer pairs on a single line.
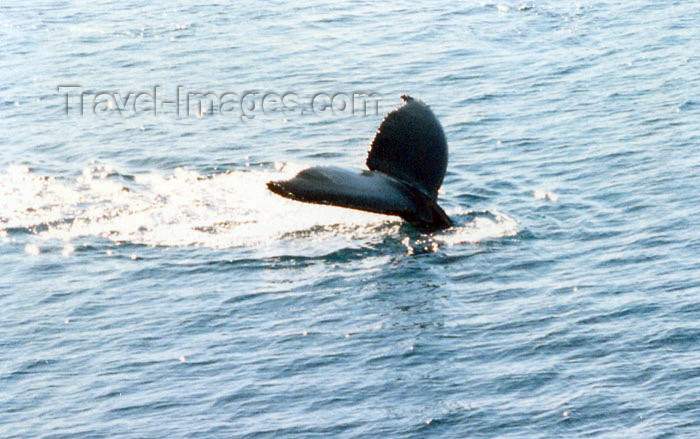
[[152, 287]]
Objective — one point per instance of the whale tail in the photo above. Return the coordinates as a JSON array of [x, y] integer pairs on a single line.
[[407, 162], [410, 145]]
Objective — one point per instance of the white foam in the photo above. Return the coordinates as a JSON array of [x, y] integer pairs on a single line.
[[185, 208], [67, 250], [544, 195], [484, 226], [491, 225], [32, 249], [225, 210]]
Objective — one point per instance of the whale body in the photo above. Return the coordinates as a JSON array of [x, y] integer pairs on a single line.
[[406, 165]]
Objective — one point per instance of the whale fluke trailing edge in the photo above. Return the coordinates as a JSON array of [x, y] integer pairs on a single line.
[[407, 162]]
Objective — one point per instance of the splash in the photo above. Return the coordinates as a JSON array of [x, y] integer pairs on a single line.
[[225, 210], [479, 227]]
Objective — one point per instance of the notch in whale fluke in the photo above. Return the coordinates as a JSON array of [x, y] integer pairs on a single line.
[[407, 162]]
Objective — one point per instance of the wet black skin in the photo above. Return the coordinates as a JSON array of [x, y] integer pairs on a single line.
[[407, 162]]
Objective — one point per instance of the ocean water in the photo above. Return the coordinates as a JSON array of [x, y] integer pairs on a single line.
[[152, 287]]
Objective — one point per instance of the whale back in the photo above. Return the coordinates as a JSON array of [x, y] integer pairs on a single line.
[[410, 146]]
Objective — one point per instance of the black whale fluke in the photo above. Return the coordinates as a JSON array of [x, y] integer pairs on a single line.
[[407, 162]]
